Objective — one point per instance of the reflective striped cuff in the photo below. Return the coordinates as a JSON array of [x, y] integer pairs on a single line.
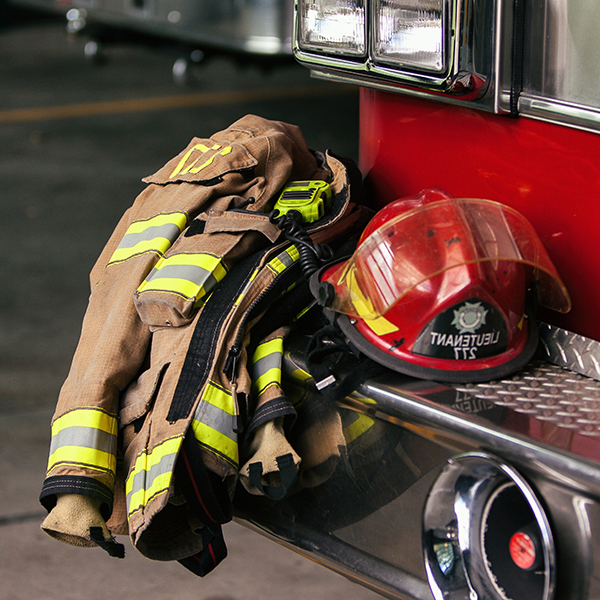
[[76, 484], [86, 437]]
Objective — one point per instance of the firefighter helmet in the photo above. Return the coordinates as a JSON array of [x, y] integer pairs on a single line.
[[437, 288]]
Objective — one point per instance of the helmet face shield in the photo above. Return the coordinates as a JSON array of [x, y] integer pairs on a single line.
[[416, 246]]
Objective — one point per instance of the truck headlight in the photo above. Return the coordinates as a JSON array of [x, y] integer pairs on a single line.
[[332, 26], [410, 33], [460, 49]]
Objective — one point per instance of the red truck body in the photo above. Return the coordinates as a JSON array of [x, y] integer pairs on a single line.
[[548, 172]]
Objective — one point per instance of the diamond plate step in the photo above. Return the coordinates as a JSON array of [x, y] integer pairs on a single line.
[[547, 392]]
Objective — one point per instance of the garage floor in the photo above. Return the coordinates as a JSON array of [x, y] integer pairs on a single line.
[[75, 142]]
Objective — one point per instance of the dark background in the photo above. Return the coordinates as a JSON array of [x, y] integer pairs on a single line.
[[75, 141]]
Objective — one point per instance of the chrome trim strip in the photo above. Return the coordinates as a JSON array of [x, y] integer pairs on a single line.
[[559, 112], [368, 81], [339, 556]]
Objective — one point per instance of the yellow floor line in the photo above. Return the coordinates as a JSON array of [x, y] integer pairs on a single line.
[[167, 102]]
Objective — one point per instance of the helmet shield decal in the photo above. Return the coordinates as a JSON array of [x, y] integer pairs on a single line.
[[466, 331], [423, 240]]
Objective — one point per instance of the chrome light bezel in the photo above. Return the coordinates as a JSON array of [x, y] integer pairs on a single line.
[[472, 51]]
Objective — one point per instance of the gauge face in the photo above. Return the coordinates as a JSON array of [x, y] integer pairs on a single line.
[[511, 545], [485, 534], [523, 550]]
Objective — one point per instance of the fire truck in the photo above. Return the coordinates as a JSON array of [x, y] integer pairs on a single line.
[[486, 490], [257, 30]]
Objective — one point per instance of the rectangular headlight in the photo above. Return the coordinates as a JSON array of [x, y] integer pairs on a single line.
[[410, 33], [332, 26]]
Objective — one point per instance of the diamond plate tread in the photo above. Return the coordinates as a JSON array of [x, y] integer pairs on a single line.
[[570, 350], [547, 392]]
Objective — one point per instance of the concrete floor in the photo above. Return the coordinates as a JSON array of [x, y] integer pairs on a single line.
[[75, 141]]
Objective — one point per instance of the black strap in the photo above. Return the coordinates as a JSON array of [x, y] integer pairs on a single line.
[[111, 546], [210, 556], [204, 491], [278, 407], [282, 312], [203, 345], [287, 471]]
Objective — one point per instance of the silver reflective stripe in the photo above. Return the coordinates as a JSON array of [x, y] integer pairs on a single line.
[[151, 474], [263, 365], [84, 437], [217, 419], [167, 231], [201, 277], [213, 423], [151, 235]]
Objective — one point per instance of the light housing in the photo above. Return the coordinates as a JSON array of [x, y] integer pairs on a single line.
[[332, 26], [459, 50], [411, 33]]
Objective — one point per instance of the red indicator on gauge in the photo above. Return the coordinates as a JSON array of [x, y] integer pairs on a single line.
[[522, 550]]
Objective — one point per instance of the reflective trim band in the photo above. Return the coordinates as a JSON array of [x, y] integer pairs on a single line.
[[278, 264], [247, 286], [85, 437], [213, 423], [151, 235], [151, 474], [358, 427], [192, 276], [284, 260], [182, 169], [266, 364]]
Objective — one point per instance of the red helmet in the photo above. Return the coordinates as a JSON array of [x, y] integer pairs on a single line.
[[437, 288]]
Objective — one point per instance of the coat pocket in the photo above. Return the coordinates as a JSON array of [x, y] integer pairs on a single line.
[[181, 282], [139, 396]]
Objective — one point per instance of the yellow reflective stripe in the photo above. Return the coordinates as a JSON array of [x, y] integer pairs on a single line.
[[380, 326], [182, 169], [151, 474], [85, 457], [213, 423], [300, 374], [267, 364], [284, 259], [219, 397], [175, 218], [188, 275], [150, 235], [358, 428], [84, 437], [269, 347], [86, 417], [247, 286], [216, 442]]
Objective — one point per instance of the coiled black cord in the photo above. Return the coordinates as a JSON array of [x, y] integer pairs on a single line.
[[312, 255]]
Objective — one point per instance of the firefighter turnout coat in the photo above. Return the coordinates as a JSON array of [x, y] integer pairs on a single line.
[[146, 423]]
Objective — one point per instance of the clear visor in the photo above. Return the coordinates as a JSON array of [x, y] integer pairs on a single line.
[[423, 242]]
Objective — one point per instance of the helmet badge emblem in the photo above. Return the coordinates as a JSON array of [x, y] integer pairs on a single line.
[[469, 317]]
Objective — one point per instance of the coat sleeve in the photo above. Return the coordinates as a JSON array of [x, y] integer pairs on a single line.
[[112, 347]]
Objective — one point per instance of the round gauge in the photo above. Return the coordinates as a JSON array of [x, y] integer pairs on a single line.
[[511, 547], [485, 534]]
